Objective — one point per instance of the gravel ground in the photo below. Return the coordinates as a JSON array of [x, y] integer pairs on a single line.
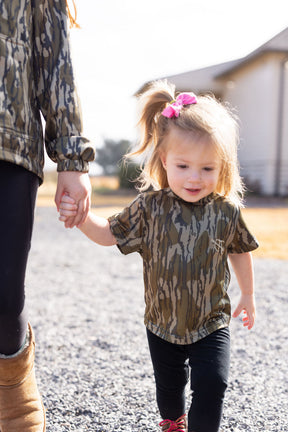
[[92, 361]]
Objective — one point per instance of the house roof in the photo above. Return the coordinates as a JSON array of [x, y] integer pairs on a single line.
[[201, 79], [278, 43], [210, 77]]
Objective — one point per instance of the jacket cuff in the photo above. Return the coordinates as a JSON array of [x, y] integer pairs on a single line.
[[72, 165], [71, 153]]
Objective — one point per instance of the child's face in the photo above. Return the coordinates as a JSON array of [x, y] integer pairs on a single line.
[[192, 165]]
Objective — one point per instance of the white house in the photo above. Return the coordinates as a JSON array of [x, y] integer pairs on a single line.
[[257, 86]]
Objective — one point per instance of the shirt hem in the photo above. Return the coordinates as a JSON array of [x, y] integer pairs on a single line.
[[190, 338]]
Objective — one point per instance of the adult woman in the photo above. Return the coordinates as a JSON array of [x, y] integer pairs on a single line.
[[36, 78]]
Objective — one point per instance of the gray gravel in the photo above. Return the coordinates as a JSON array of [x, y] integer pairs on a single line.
[[92, 361]]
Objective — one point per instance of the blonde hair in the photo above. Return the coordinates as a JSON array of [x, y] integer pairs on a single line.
[[207, 118], [72, 19]]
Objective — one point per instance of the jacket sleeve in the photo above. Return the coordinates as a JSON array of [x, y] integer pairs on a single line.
[[55, 88]]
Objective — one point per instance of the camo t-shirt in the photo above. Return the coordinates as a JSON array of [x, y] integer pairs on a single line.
[[184, 247]]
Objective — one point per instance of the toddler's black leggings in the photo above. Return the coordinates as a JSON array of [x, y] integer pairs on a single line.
[[18, 190], [209, 361]]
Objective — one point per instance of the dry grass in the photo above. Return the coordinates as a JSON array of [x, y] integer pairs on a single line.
[[269, 225]]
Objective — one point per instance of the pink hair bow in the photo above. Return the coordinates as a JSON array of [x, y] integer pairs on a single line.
[[174, 108]]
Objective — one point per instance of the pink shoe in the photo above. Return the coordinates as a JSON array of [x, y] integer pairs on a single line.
[[179, 425]]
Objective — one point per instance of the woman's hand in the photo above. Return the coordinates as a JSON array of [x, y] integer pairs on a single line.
[[78, 187]]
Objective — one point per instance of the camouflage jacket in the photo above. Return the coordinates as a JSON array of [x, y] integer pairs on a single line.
[[184, 247], [36, 77]]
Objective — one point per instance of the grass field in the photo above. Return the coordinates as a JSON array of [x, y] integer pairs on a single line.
[[268, 224]]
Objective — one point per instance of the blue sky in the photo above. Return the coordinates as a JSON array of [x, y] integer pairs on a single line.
[[124, 43]]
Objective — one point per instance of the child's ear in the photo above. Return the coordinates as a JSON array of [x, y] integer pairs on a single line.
[[163, 159]]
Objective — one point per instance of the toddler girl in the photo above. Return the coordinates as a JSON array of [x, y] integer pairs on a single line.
[[185, 230]]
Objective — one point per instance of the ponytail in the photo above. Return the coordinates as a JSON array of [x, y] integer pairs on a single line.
[[153, 127]]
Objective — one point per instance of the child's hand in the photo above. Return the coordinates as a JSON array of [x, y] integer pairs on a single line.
[[67, 208], [246, 304]]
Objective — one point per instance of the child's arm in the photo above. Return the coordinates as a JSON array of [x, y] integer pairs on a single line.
[[243, 267], [95, 228]]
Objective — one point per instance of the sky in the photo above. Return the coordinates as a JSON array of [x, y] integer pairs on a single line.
[[124, 43]]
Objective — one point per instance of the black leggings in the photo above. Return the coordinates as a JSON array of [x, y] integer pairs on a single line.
[[209, 361], [18, 190]]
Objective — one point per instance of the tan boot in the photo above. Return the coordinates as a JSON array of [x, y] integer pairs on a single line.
[[179, 425], [21, 408]]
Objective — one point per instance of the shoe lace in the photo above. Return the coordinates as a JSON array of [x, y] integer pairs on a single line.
[[174, 426]]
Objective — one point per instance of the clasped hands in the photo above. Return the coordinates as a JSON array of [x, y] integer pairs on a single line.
[[77, 186]]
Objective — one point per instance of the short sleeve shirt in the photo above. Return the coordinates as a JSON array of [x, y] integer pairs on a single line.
[[184, 247]]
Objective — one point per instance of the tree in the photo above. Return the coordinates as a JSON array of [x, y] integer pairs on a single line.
[[109, 157], [128, 173]]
